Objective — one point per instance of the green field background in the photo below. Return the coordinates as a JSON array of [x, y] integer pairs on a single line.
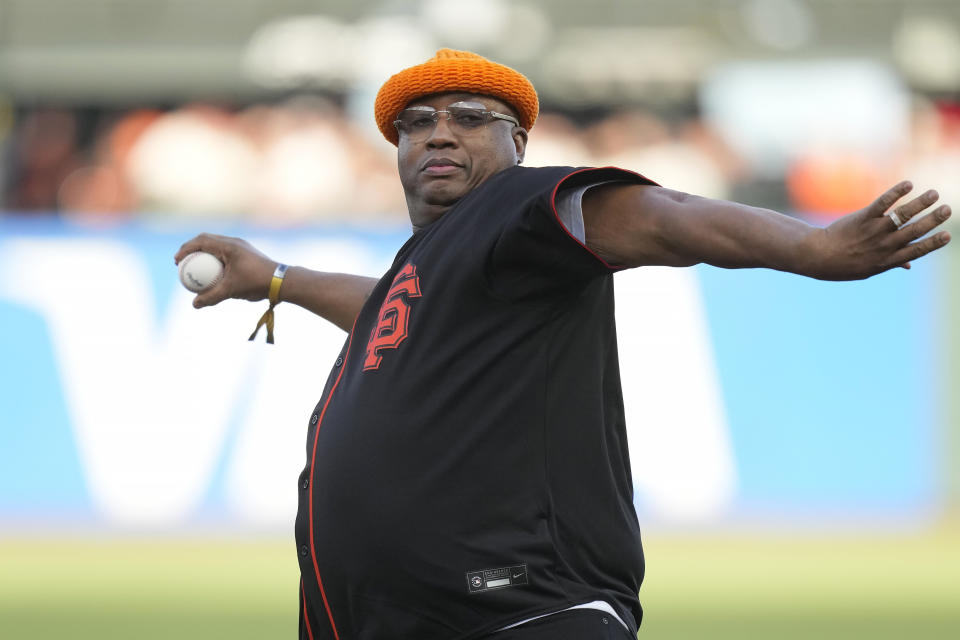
[[713, 586]]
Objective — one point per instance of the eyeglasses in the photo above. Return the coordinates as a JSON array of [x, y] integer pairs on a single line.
[[417, 123]]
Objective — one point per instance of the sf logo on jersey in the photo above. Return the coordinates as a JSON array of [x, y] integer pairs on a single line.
[[391, 327]]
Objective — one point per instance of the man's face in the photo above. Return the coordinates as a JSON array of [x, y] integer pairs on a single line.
[[439, 170]]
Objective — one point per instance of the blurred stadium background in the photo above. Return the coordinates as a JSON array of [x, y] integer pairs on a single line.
[[795, 444]]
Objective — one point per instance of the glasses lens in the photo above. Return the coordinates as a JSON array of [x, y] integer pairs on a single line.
[[466, 119], [416, 124]]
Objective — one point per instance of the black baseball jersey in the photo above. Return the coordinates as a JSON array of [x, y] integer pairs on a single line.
[[467, 463]]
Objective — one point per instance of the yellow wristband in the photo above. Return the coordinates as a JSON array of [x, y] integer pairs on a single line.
[[274, 296], [275, 283]]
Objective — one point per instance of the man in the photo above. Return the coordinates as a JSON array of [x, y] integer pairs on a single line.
[[467, 472]]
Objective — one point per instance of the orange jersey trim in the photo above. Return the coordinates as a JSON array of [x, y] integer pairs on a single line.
[[313, 459], [553, 207]]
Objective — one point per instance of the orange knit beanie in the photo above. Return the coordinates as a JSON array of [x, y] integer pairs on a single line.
[[450, 71]]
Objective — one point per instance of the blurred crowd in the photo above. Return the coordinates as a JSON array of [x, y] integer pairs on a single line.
[[284, 164], [304, 161]]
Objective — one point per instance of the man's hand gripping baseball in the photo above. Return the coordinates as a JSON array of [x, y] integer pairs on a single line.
[[337, 297], [246, 270]]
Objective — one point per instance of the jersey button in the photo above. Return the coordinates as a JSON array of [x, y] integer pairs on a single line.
[[313, 419], [304, 552], [338, 362]]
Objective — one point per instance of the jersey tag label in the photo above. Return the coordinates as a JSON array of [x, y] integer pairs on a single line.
[[488, 579]]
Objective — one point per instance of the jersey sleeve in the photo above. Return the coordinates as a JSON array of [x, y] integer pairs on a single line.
[[540, 250]]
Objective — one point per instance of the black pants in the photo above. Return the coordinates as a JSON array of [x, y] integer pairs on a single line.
[[579, 624]]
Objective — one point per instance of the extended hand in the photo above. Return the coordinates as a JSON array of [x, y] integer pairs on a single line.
[[246, 271], [870, 241]]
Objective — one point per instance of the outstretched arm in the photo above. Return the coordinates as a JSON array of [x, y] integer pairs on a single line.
[[635, 225], [337, 297]]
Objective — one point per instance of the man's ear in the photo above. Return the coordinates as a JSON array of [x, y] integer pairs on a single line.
[[520, 142]]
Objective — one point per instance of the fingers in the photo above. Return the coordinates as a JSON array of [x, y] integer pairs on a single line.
[[208, 242], [909, 209], [213, 244], [917, 250], [212, 296], [923, 225], [889, 198], [909, 235], [247, 271]]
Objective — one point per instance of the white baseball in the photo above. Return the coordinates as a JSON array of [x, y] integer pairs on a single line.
[[200, 270]]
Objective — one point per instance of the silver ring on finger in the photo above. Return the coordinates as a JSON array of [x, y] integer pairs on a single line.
[[895, 218]]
